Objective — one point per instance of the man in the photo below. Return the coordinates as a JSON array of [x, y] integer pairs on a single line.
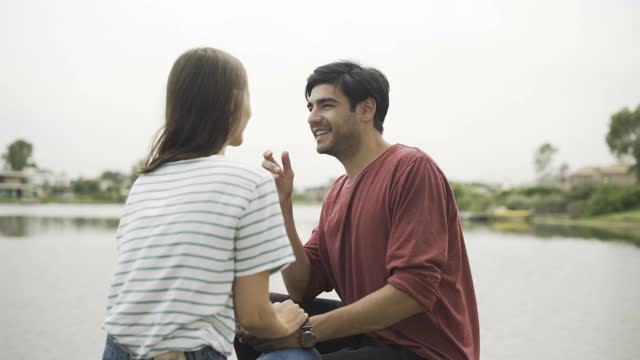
[[389, 240]]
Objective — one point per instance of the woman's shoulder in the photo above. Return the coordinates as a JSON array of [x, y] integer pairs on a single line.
[[239, 168], [212, 167]]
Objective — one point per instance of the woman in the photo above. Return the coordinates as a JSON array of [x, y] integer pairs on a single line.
[[200, 233]]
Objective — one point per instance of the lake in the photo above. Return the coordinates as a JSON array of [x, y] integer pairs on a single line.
[[541, 295]]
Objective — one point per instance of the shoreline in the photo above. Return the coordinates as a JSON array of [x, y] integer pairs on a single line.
[[623, 226]]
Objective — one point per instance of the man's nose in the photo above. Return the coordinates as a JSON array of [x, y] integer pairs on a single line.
[[313, 118]]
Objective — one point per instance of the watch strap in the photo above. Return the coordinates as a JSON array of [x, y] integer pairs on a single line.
[[307, 326]]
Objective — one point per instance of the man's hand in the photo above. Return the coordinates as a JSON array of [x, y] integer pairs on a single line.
[[283, 175]]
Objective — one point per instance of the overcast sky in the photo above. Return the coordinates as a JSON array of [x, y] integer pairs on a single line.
[[478, 85]]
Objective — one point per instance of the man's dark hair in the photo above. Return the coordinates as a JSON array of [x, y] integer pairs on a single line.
[[358, 83]]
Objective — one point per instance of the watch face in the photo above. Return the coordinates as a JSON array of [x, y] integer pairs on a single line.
[[308, 339]]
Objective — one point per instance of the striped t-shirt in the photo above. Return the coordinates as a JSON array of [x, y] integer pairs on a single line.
[[188, 229]]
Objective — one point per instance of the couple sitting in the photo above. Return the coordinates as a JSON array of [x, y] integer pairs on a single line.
[[201, 234]]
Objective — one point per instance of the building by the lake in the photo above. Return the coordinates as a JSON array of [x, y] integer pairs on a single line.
[[616, 174], [32, 183]]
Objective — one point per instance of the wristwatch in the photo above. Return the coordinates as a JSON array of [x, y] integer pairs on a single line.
[[307, 336]]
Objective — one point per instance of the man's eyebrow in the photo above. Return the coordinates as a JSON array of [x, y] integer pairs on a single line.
[[322, 101]]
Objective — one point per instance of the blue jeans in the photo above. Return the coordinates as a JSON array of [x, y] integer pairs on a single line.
[[291, 354], [113, 351], [357, 347]]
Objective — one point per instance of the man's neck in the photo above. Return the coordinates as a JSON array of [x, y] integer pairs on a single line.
[[370, 149]]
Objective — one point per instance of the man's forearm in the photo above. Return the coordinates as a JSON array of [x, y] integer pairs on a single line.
[[296, 275], [375, 311]]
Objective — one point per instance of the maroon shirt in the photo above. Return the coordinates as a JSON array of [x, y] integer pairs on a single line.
[[397, 223]]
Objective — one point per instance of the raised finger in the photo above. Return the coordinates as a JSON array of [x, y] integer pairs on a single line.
[[271, 166], [286, 161], [268, 155]]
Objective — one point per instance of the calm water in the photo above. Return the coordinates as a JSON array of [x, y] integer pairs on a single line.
[[541, 296]]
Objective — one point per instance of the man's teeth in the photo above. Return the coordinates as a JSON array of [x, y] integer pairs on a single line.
[[321, 132]]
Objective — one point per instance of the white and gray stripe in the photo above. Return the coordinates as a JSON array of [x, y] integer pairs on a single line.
[[188, 229]]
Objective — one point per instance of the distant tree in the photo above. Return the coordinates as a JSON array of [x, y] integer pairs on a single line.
[[18, 155], [113, 185], [543, 162], [562, 173], [624, 136], [85, 186], [114, 177]]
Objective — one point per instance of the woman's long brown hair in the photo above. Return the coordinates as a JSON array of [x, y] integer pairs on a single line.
[[205, 91]]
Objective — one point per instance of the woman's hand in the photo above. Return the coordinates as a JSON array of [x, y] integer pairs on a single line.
[[291, 316]]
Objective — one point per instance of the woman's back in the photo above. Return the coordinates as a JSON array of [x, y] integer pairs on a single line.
[[188, 229]]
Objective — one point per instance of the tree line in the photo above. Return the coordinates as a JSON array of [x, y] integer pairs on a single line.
[[622, 138], [580, 200]]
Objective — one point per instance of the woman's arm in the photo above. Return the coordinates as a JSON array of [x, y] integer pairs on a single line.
[[257, 315]]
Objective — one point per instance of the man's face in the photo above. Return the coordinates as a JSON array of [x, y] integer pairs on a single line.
[[332, 123]]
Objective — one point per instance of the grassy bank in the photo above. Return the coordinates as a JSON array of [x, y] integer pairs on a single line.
[[58, 200], [623, 220], [623, 225], [83, 200]]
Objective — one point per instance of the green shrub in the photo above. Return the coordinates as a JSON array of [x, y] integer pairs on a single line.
[[581, 192], [610, 198], [541, 191], [577, 208], [470, 198], [552, 203], [518, 202]]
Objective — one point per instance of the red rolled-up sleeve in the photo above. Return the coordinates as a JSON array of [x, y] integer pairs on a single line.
[[417, 247], [318, 278]]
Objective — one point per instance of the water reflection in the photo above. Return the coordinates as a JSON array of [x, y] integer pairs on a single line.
[[549, 231], [537, 299], [24, 226]]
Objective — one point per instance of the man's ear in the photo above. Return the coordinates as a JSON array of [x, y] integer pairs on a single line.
[[367, 109]]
